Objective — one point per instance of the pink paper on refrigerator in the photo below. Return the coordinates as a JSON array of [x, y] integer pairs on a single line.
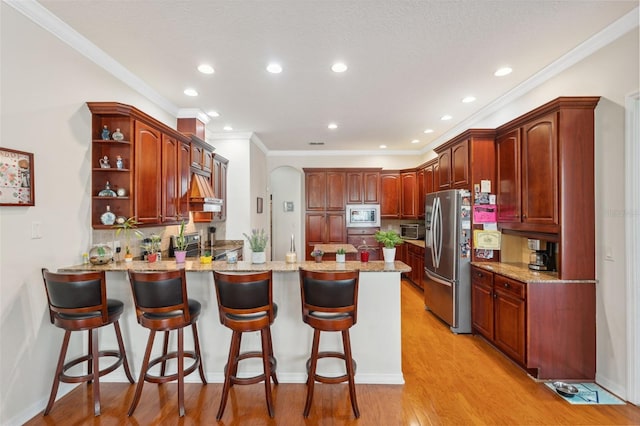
[[483, 213]]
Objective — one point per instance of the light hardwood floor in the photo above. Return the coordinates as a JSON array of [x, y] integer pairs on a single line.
[[450, 380]]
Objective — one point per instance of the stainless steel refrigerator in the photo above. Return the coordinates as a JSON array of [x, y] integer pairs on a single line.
[[447, 289]]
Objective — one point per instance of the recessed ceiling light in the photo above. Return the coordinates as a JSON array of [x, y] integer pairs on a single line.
[[468, 99], [332, 126], [213, 114], [274, 68], [339, 67], [428, 131], [446, 117], [415, 141], [227, 128], [501, 72], [206, 69], [383, 147], [190, 92]]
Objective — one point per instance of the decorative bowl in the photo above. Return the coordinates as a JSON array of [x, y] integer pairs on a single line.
[[565, 389]]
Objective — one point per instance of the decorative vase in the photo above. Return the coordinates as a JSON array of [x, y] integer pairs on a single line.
[[258, 257], [341, 258], [152, 257], [181, 255], [389, 254], [318, 259], [364, 256]]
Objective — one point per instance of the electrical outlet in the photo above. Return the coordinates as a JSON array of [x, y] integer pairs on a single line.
[[36, 230]]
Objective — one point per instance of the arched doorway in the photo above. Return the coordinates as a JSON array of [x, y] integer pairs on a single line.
[[286, 211]]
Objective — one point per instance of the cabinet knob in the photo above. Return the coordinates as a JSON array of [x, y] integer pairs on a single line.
[[506, 285]]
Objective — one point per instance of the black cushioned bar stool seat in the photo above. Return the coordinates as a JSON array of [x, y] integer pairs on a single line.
[[78, 302], [330, 303], [245, 303], [162, 304]]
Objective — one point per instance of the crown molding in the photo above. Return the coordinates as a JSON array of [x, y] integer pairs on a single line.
[[193, 113], [337, 153]]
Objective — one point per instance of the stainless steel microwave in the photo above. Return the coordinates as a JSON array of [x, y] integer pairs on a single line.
[[363, 215]]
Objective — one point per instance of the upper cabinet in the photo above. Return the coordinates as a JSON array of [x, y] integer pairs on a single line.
[[363, 186], [325, 189], [390, 199], [409, 194], [545, 169]]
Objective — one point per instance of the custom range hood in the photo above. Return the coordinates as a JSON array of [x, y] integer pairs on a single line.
[[201, 196]]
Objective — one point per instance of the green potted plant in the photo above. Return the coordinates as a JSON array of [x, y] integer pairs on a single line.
[[258, 243], [341, 255], [317, 255], [180, 251], [152, 247], [389, 239], [128, 228]]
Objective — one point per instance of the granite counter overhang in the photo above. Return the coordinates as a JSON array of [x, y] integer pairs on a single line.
[[521, 272], [243, 266]]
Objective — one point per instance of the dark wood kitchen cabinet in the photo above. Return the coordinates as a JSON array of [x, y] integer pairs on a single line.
[[545, 173], [324, 228], [415, 259], [547, 327], [390, 194], [465, 160], [154, 175], [408, 194], [362, 186]]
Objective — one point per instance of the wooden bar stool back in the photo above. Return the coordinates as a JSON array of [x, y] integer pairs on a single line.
[[78, 302], [162, 304], [245, 303], [330, 303]]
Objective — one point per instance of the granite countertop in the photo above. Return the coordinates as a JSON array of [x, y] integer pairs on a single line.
[[243, 266], [521, 272], [419, 243], [332, 248]]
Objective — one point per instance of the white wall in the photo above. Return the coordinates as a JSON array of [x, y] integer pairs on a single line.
[[286, 184], [44, 87]]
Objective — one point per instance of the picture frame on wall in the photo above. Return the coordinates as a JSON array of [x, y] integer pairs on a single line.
[[16, 178]]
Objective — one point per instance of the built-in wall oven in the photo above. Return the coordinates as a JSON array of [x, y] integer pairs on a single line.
[[363, 215]]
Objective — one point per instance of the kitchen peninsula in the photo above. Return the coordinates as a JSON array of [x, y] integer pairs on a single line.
[[375, 339]]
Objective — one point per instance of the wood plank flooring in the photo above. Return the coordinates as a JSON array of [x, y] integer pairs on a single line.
[[450, 380]]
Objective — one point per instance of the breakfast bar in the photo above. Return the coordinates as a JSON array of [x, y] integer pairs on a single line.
[[375, 339]]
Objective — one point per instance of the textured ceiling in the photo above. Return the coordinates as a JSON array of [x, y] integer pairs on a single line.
[[410, 62]]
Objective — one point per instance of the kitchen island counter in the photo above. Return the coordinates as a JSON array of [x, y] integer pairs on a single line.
[[375, 339]]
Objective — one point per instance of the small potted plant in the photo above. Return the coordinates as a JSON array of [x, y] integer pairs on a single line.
[[341, 255], [152, 247], [364, 251], [128, 228], [180, 251], [206, 257], [258, 243], [389, 239], [317, 255]]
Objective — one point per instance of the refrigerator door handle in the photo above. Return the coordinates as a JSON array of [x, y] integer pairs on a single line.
[[432, 231], [439, 233], [437, 279]]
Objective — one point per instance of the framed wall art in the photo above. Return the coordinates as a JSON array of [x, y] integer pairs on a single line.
[[16, 178]]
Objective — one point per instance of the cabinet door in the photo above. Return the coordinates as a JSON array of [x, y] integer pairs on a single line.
[[371, 187], [223, 189], [508, 176], [460, 165], [335, 191], [184, 178], [207, 160], [390, 195], [196, 156], [169, 180], [315, 224], [148, 153], [316, 190], [408, 195], [509, 318], [482, 302], [354, 188], [540, 171], [336, 228], [444, 169], [420, 195]]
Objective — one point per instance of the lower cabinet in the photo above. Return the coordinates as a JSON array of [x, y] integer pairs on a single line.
[[415, 259], [546, 327], [358, 237]]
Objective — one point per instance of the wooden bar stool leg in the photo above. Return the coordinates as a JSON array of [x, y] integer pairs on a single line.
[[89, 351], [95, 353], [274, 377], [181, 371], [346, 342], [196, 342], [266, 362], [311, 375], [165, 349], [234, 349], [143, 372], [123, 353], [59, 367]]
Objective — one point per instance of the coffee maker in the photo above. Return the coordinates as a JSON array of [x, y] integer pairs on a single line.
[[542, 257]]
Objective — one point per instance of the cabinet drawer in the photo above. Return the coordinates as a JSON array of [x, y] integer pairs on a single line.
[[412, 248], [480, 276], [362, 231], [516, 288]]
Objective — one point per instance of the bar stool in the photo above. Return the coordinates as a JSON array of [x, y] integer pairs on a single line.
[[330, 303], [245, 303], [162, 304], [78, 302]]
